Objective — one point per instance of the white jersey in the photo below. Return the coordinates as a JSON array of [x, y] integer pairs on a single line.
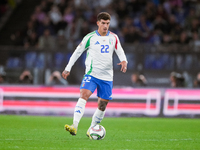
[[99, 59]]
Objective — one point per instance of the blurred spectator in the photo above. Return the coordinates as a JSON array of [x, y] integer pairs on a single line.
[[46, 24], [195, 41], [61, 42], [26, 77], [167, 6], [166, 39], [138, 80], [198, 8], [171, 23], [43, 6], [39, 14], [57, 19], [56, 79], [121, 9], [176, 34], [128, 22], [114, 21], [160, 24], [30, 28], [131, 35], [150, 11], [31, 41], [55, 15], [155, 37], [191, 16], [144, 25], [68, 15], [188, 79], [102, 3], [72, 33], [197, 80], [161, 12], [47, 41], [17, 38], [34, 21], [184, 38], [176, 80], [176, 3], [152, 19], [62, 5], [184, 41], [180, 14], [93, 18], [49, 4], [135, 6], [194, 26], [85, 29], [2, 75]]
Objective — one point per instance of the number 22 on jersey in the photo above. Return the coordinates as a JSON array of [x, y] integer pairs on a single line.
[[104, 48], [87, 79]]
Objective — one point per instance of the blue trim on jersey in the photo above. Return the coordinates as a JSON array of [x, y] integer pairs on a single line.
[[100, 34], [97, 33], [108, 33]]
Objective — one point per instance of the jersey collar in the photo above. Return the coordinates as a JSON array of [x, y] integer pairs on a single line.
[[100, 34]]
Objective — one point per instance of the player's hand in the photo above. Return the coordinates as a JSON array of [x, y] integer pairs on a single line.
[[65, 74], [123, 66]]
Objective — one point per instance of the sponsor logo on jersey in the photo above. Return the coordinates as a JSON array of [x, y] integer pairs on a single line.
[[97, 42]]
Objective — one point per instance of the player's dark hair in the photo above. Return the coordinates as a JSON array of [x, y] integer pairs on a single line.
[[104, 16]]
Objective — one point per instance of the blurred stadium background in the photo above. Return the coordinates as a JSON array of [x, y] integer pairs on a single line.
[[161, 39]]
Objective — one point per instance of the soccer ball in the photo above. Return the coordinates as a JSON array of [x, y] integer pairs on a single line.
[[97, 132]]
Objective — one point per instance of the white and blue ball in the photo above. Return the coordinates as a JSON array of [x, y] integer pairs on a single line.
[[97, 132]]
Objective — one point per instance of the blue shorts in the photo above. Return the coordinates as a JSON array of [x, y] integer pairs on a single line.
[[104, 88]]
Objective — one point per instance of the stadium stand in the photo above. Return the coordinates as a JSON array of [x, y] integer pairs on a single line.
[[159, 36]]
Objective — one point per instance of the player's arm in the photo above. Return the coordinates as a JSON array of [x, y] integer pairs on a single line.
[[121, 55], [65, 74], [77, 53], [123, 66]]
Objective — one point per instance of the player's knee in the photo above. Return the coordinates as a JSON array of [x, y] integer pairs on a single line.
[[85, 97], [102, 105], [85, 94]]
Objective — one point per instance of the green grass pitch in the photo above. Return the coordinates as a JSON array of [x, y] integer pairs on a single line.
[[47, 133]]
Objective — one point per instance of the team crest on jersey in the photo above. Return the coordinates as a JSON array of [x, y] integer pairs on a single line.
[[83, 84], [111, 41]]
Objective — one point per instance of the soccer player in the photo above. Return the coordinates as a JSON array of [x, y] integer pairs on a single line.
[[100, 45]]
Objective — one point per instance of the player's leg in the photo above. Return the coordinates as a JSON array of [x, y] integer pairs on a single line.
[[80, 106], [86, 90], [78, 111], [104, 93], [99, 113]]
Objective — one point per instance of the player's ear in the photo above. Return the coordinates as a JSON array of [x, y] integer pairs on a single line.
[[98, 23]]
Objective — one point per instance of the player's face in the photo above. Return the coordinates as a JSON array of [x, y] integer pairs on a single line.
[[103, 26]]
